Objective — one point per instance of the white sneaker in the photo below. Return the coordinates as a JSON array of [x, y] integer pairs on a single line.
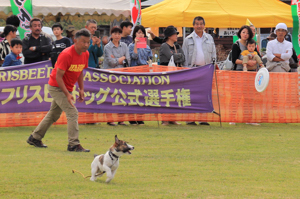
[[254, 124], [231, 123]]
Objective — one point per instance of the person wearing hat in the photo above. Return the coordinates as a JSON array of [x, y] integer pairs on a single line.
[[169, 49], [70, 33], [156, 39], [199, 49], [279, 51], [293, 60]]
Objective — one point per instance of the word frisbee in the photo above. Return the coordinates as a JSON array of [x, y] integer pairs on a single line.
[[262, 79]]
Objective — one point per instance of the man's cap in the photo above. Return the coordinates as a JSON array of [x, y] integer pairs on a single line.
[[280, 26]]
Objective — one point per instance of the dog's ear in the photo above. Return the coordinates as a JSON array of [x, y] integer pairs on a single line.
[[117, 139]]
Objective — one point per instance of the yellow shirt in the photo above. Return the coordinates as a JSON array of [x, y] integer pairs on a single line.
[[246, 52]]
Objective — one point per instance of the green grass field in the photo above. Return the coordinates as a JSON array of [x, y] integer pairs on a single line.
[[168, 162]]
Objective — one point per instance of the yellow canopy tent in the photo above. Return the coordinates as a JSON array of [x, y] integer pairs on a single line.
[[217, 13]]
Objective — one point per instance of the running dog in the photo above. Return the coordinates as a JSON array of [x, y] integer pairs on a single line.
[[109, 162]]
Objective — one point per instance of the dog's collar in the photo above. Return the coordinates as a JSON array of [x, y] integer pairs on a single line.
[[111, 154]]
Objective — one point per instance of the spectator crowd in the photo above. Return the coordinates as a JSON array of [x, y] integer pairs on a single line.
[[121, 48]]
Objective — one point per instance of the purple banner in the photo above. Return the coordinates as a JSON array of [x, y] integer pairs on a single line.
[[24, 89]]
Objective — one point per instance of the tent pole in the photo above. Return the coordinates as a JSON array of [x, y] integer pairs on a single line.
[[258, 39], [219, 114], [183, 34]]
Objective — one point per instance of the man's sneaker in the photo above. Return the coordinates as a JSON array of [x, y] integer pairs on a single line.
[[204, 123], [191, 123], [35, 142], [175, 123], [254, 124], [111, 124], [77, 148]]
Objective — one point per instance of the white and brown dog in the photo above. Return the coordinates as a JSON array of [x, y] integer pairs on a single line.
[[109, 162]]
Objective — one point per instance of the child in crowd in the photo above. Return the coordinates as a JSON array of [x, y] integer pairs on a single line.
[[251, 54], [13, 58], [60, 44], [126, 27]]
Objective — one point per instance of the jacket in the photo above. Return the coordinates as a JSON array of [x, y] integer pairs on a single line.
[[166, 52], [95, 53], [190, 50], [42, 51], [12, 60]]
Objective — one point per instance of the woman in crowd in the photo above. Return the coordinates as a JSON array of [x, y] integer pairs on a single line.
[[168, 49], [139, 56], [245, 34], [116, 55], [8, 34]]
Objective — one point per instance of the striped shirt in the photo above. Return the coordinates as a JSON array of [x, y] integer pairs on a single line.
[[4, 49]]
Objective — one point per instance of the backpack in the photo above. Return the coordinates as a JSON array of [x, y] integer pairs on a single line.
[[294, 60]]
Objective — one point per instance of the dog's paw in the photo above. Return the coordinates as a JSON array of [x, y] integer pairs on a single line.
[[92, 179], [108, 180]]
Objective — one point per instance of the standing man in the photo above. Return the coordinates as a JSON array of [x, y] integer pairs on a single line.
[[279, 51], [36, 46], [95, 49], [126, 27], [70, 33], [199, 49], [68, 70]]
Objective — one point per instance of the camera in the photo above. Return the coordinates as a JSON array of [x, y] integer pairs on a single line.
[[125, 63], [97, 33]]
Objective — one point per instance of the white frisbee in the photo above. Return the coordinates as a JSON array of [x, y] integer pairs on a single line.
[[262, 79]]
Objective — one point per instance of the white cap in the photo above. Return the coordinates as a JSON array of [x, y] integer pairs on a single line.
[[281, 26]]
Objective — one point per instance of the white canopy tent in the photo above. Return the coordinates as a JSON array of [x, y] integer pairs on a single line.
[[72, 7]]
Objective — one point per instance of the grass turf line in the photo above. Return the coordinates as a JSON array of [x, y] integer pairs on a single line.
[[240, 161]]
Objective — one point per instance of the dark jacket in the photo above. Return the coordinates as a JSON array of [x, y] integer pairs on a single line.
[[166, 51], [42, 51], [158, 40]]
